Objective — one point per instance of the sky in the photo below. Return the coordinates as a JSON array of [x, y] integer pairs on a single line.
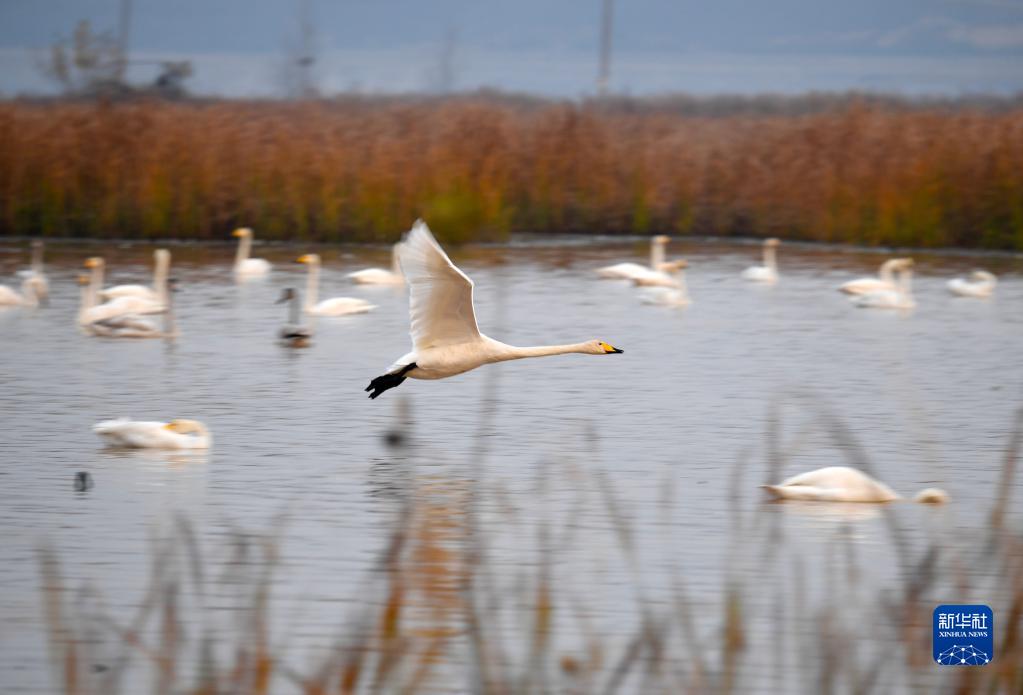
[[547, 47]]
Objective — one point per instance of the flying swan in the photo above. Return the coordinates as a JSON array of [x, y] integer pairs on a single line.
[[884, 281], [980, 283], [844, 484], [379, 276], [337, 306], [136, 434], [445, 337], [243, 265], [768, 272]]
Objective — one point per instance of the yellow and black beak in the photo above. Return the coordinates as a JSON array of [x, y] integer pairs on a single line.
[[238, 232], [611, 349], [303, 259]]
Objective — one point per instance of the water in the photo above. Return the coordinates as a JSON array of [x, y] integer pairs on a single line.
[[929, 394]]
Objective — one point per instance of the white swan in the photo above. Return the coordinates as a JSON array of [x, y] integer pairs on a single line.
[[35, 275], [243, 265], [768, 272], [379, 276], [884, 280], [980, 283], [27, 296], [338, 306], [901, 297], [119, 306], [156, 293], [124, 325], [445, 338], [843, 484], [628, 271], [294, 334], [176, 434], [668, 276]]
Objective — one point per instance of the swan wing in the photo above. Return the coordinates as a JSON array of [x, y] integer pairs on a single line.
[[440, 295], [9, 296]]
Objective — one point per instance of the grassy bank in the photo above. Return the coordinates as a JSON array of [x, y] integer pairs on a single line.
[[480, 168]]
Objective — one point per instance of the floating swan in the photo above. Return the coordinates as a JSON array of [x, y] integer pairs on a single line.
[[120, 305], [156, 293], [338, 306], [445, 337], [124, 325], [677, 296], [901, 297], [866, 285], [980, 283], [379, 276], [843, 484], [134, 434], [27, 296], [35, 275], [243, 265], [768, 272], [628, 271], [668, 276], [294, 334]]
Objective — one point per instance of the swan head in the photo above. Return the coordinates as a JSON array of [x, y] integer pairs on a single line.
[[182, 426], [310, 258], [242, 232], [931, 495], [661, 239], [94, 262], [599, 347], [772, 242]]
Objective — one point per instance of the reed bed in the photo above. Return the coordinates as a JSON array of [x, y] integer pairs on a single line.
[[480, 168], [437, 614]]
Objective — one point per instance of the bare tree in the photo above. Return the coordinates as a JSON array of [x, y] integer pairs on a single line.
[[88, 62]]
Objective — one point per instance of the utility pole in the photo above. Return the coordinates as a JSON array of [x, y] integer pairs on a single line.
[[604, 73]]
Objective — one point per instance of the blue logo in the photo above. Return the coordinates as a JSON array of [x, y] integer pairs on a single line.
[[963, 635]]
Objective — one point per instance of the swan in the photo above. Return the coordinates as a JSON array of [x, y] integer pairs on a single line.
[[120, 305], [27, 297], [627, 271], [668, 276], [124, 325], [379, 276], [866, 285], [36, 276], [844, 484], [337, 306], [980, 283], [156, 293], [293, 334], [768, 272], [243, 265], [135, 434], [445, 337], [901, 297]]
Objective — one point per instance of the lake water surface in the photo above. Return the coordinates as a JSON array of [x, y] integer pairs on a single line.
[[677, 427]]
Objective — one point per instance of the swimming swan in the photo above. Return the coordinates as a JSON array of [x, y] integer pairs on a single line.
[[338, 306], [294, 334], [843, 484], [768, 272], [445, 337], [124, 325], [900, 297], [27, 296], [672, 296], [884, 280], [980, 283], [628, 271], [120, 305], [668, 276], [243, 265], [379, 276], [156, 293], [35, 275], [134, 434]]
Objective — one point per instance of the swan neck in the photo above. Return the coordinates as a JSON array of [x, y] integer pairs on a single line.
[[769, 258], [886, 272], [396, 261], [37, 258], [906, 282], [511, 352], [244, 246], [312, 284], [160, 277], [656, 254]]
